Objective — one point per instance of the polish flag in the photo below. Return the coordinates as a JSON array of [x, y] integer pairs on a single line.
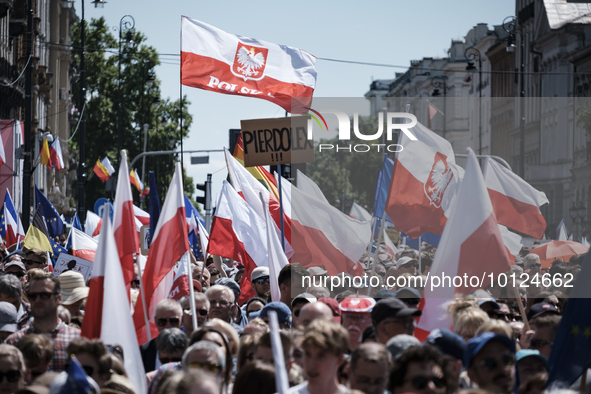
[[471, 245], [141, 215], [424, 183], [358, 212], [55, 154], [93, 223], [16, 225], [389, 244], [180, 282], [285, 193], [277, 258], [11, 228], [107, 318], [212, 59], [203, 238], [83, 245], [126, 234], [511, 240], [169, 243], [251, 190], [516, 202], [324, 236], [2, 152], [239, 233]]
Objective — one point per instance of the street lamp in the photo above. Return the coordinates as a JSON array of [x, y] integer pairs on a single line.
[[438, 82], [82, 133], [471, 54], [126, 24], [513, 26]]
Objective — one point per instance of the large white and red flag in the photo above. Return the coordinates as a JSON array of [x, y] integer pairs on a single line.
[[93, 223], [169, 243], [321, 235], [83, 245], [516, 202], [180, 282], [358, 212], [126, 234], [55, 154], [239, 233], [471, 247], [251, 190], [277, 258], [142, 216], [424, 183], [214, 60], [108, 317]]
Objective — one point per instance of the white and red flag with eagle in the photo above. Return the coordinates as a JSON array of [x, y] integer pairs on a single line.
[[169, 243], [424, 183], [471, 248], [212, 59], [126, 235]]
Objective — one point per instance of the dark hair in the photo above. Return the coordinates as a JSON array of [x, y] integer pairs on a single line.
[[36, 348], [551, 321], [417, 354], [285, 275], [10, 286], [374, 353], [255, 378], [286, 344], [57, 286], [94, 348], [171, 340], [254, 299]]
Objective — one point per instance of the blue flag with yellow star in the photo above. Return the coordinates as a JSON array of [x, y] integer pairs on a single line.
[[53, 221], [571, 352], [77, 382], [194, 243]]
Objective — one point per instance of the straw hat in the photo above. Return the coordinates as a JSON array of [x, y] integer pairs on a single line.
[[73, 287]]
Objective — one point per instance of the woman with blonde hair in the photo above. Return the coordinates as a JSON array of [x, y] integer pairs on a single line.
[[497, 327], [468, 321]]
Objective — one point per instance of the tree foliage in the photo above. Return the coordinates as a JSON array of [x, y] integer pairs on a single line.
[[137, 108]]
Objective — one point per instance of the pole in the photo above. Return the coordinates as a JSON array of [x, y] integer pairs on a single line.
[[480, 104], [82, 132], [146, 127], [144, 307], [26, 203], [181, 125], [119, 99], [186, 260], [420, 245], [521, 109], [583, 382], [444, 107], [281, 205], [375, 254]]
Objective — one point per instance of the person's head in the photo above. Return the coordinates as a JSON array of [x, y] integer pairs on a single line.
[[546, 329], [255, 326], [74, 291], [325, 343], [201, 307], [171, 344], [410, 296], [290, 281], [89, 354], [35, 258], [214, 275], [37, 350], [207, 356], [195, 381], [255, 304], [255, 378], [298, 303], [168, 314], [391, 317], [44, 295], [12, 368], [135, 283], [11, 290], [369, 367], [283, 313], [356, 317], [540, 310], [217, 336], [490, 361], [264, 349], [8, 320], [319, 292], [452, 348], [408, 265], [17, 269], [199, 271], [261, 282], [228, 331], [313, 311], [532, 263], [246, 350], [468, 321], [529, 363], [419, 370], [221, 300]]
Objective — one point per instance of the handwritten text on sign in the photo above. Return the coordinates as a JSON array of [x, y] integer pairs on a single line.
[[276, 141]]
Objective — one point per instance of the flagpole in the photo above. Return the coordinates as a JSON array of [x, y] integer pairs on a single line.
[[420, 245], [146, 319], [191, 294], [521, 308], [281, 205], [375, 255], [583, 381]]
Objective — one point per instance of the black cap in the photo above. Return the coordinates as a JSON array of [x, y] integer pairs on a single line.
[[540, 308], [391, 307]]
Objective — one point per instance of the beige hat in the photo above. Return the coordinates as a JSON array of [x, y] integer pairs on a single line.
[[73, 287]]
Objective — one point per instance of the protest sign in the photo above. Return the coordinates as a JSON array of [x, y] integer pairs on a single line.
[[67, 262]]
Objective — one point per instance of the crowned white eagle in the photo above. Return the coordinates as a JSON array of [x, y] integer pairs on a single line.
[[250, 61]]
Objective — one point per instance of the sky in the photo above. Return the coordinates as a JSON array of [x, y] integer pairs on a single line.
[[391, 32]]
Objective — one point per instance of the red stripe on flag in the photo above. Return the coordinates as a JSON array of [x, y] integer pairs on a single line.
[[517, 215], [128, 241], [84, 254], [197, 71], [91, 326]]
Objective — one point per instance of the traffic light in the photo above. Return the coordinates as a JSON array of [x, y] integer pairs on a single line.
[[206, 199]]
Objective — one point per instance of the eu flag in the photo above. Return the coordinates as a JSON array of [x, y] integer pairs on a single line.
[[384, 180], [53, 221], [571, 352], [154, 205], [194, 243], [77, 382]]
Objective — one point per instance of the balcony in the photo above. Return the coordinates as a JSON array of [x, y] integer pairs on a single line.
[[5, 5]]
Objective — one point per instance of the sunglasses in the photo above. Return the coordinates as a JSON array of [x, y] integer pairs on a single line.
[[12, 376], [43, 295], [18, 274], [421, 382], [535, 266], [31, 262], [409, 265], [261, 281], [411, 301], [407, 323], [202, 312], [491, 363], [209, 367], [172, 320], [135, 282], [538, 343], [166, 360]]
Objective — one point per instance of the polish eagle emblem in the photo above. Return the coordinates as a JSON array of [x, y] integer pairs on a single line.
[[439, 178], [249, 62]]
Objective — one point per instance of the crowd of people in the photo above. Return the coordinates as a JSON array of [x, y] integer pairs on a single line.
[[340, 340]]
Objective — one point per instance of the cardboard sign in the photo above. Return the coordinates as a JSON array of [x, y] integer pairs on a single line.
[[144, 240], [276, 141], [65, 262]]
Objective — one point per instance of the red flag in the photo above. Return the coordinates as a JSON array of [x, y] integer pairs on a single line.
[[169, 243], [432, 113], [180, 283], [126, 235], [515, 201], [212, 59], [55, 154], [93, 224], [424, 183], [471, 247], [83, 245]]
